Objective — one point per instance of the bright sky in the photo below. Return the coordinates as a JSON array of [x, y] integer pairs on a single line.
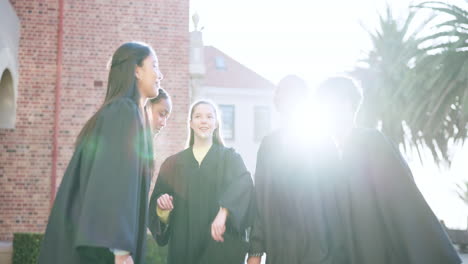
[[276, 38], [315, 40]]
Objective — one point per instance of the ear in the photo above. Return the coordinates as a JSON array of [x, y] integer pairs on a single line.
[[190, 123], [137, 73]]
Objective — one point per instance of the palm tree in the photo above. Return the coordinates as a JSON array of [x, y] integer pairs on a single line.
[[440, 78], [383, 72], [415, 83], [462, 192]]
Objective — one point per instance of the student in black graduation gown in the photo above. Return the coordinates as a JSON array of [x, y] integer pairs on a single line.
[[296, 209], [100, 211], [202, 200], [386, 218]]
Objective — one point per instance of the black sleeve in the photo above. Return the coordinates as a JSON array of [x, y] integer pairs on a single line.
[[160, 230], [237, 194], [110, 204], [257, 237]]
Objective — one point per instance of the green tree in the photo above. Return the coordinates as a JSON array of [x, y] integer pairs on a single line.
[[416, 81], [462, 192]]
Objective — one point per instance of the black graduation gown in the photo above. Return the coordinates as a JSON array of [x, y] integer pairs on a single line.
[[296, 220], [102, 200], [221, 180], [386, 218]]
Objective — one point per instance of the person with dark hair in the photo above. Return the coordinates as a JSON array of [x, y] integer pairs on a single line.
[[100, 211], [202, 201], [296, 217], [161, 107], [385, 217]]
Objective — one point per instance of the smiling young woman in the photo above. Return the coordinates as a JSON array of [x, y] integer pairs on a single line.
[[100, 212], [202, 202]]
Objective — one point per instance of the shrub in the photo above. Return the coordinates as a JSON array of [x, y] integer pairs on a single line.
[[26, 248]]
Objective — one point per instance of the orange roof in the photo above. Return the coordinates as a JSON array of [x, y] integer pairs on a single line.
[[224, 71]]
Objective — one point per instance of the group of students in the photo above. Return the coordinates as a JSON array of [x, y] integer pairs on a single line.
[[347, 198]]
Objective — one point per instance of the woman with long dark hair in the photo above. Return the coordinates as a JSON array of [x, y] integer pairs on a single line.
[[201, 204], [100, 212]]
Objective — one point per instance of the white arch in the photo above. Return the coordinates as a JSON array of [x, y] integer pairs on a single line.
[[7, 100], [8, 88], [9, 44]]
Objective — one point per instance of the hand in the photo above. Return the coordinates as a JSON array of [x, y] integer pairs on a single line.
[[123, 259], [254, 260], [218, 227], [165, 202]]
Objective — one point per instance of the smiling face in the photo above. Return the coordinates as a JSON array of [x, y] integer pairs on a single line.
[[203, 121], [149, 76]]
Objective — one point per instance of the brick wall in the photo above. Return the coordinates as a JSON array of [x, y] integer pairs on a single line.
[[92, 31]]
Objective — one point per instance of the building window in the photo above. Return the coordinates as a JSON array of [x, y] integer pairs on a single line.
[[220, 63], [228, 117], [262, 122]]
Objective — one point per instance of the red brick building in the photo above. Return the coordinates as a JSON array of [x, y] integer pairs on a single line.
[[64, 46]]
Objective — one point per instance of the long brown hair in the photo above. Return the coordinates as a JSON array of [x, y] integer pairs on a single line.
[[217, 138], [121, 81]]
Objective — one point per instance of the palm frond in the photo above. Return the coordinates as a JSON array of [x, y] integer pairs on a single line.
[[419, 81]]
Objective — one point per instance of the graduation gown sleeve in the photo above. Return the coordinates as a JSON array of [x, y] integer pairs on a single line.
[[160, 230], [109, 214], [237, 192], [414, 230], [257, 236]]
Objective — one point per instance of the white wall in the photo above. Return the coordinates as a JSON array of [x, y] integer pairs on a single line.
[[9, 43]]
